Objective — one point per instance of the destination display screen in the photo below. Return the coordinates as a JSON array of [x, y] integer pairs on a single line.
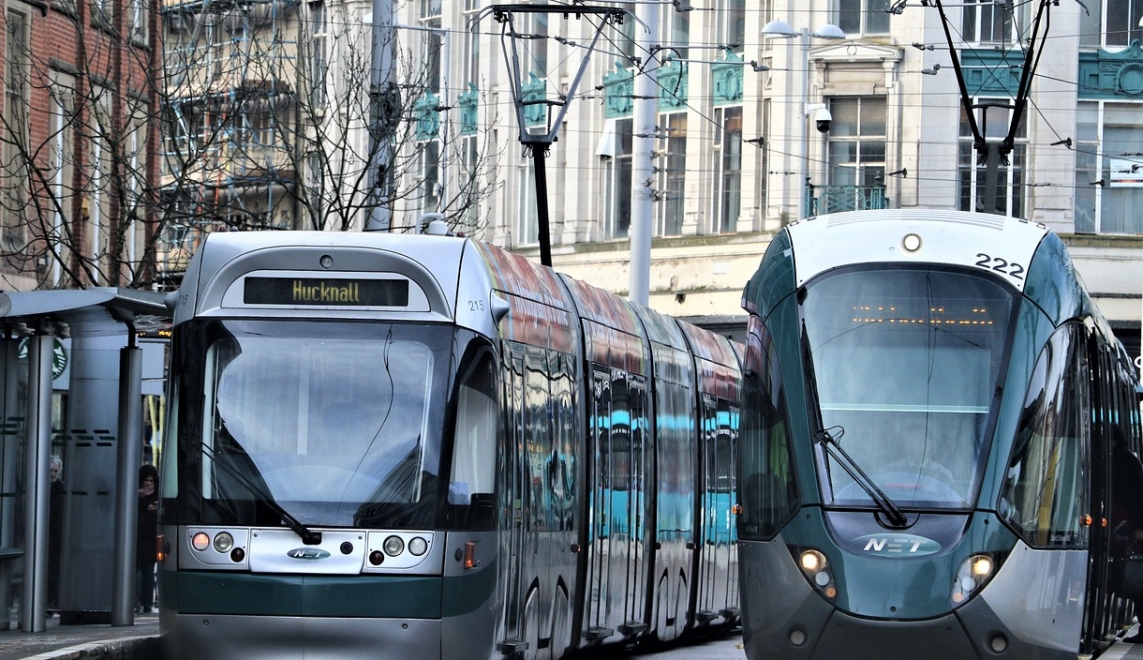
[[317, 291]]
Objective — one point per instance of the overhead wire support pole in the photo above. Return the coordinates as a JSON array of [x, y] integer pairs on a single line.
[[991, 155], [384, 106], [646, 115], [539, 144]]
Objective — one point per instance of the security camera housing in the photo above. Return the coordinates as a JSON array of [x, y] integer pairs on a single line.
[[823, 119]]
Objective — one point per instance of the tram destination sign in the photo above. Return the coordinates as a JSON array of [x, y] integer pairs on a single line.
[[334, 292]]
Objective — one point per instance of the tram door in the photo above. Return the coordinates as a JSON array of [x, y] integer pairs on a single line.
[[676, 461], [1098, 604], [616, 577], [513, 523], [718, 579], [541, 529], [1114, 422]]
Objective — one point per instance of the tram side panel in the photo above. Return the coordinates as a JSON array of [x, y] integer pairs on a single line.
[[718, 386], [541, 464]]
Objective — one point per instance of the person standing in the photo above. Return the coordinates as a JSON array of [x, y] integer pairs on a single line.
[[57, 492], [148, 528]]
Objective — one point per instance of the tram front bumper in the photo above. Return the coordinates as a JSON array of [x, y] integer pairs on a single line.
[[244, 637]]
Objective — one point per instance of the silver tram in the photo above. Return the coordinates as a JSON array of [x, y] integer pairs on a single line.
[[390, 446]]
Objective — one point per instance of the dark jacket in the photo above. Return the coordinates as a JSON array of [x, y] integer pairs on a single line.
[[148, 522]]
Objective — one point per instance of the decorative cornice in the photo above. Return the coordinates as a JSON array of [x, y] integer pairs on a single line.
[[618, 92], [726, 76], [427, 111], [990, 72], [1111, 75], [467, 102]]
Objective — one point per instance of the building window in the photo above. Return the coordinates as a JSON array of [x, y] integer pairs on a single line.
[[864, 16], [101, 222], [727, 168], [14, 168], [469, 185], [134, 209], [63, 160], [137, 20], [315, 187], [676, 30], [430, 153], [731, 24], [318, 63], [625, 41], [528, 228], [856, 143], [672, 178], [762, 160], [1123, 18], [431, 19], [1109, 179], [471, 48], [537, 26], [616, 184], [1091, 23], [101, 13], [991, 22], [992, 118]]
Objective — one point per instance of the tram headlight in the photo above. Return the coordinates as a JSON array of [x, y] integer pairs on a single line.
[[223, 542], [971, 576], [418, 546], [393, 546], [817, 569]]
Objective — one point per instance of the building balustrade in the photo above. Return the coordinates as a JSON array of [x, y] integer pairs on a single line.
[[821, 200]]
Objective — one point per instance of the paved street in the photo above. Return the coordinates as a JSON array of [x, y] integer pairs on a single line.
[[726, 647], [16, 645]]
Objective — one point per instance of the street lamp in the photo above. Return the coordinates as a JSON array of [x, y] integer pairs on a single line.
[[779, 29]]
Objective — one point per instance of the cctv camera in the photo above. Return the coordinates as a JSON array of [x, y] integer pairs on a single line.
[[823, 119]]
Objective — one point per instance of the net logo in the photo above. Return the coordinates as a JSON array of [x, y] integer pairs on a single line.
[[310, 554], [898, 545]]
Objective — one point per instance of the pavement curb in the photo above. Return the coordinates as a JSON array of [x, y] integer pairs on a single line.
[[125, 648]]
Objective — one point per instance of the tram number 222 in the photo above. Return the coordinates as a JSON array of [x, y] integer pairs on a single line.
[[1000, 265]]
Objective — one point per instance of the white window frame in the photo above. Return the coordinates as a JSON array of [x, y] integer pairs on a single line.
[[1011, 178], [868, 11], [721, 222]]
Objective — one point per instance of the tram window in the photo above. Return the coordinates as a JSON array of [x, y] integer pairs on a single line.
[[769, 494], [905, 364], [331, 424], [1045, 496], [561, 463], [676, 449], [538, 437], [474, 444], [169, 483]]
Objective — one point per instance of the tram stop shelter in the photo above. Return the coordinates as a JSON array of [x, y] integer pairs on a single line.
[[71, 384]]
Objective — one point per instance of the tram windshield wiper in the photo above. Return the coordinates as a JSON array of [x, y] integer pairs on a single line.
[[308, 536], [859, 476]]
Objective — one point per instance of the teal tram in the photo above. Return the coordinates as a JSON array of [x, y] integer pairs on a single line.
[[931, 407]]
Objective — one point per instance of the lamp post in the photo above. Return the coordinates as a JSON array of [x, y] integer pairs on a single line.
[[779, 29]]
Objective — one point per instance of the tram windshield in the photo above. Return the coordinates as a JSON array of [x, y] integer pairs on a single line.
[[905, 364], [320, 424]]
